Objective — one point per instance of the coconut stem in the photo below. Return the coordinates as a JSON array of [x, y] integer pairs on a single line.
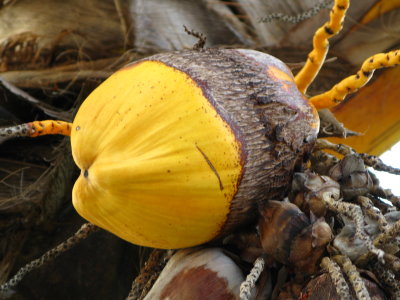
[[369, 209], [389, 279], [389, 235], [354, 212], [321, 45], [342, 288], [369, 160], [149, 273], [50, 255], [37, 128], [251, 279], [354, 277], [352, 83], [296, 18]]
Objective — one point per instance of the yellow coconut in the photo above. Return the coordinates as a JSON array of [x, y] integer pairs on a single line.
[[175, 150]]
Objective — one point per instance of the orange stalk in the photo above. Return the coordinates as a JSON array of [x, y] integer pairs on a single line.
[[37, 128], [352, 83], [317, 56]]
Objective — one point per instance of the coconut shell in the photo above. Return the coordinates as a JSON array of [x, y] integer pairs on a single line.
[[175, 150], [198, 274]]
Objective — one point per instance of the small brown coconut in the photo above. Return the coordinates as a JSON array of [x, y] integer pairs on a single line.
[[288, 236]]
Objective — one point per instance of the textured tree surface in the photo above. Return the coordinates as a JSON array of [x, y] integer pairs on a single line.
[[54, 53]]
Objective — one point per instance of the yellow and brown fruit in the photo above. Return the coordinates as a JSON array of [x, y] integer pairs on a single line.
[[175, 150]]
